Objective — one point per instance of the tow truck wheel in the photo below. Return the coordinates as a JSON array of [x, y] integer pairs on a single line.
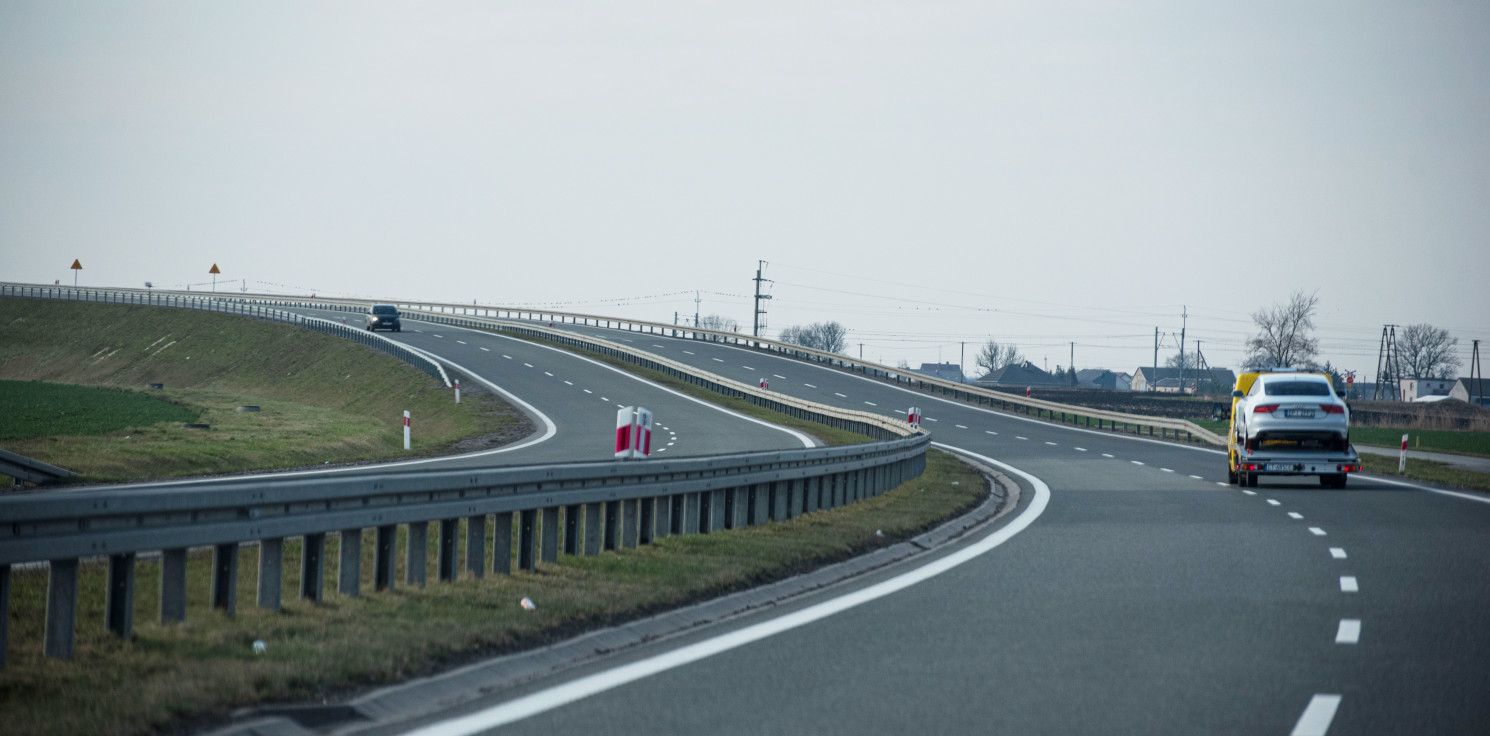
[[1230, 476]]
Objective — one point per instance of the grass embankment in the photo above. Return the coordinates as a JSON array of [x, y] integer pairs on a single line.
[[200, 670], [1436, 440], [322, 399]]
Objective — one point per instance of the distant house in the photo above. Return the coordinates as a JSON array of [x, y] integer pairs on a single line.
[[1471, 390], [1214, 381], [945, 371], [1417, 388], [1025, 375]]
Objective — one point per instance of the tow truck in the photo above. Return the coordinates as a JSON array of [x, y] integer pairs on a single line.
[[1285, 433]]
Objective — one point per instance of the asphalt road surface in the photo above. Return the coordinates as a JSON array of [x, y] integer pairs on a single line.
[[1146, 596]]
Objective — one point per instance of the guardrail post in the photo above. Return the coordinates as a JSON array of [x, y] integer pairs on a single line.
[[476, 545], [312, 568], [416, 555], [612, 524], [501, 544], [119, 600], [349, 574], [225, 578], [525, 540], [630, 523], [4, 612], [549, 541], [663, 524], [762, 495], [271, 572], [593, 528], [62, 608], [717, 509], [385, 556], [647, 519], [445, 549], [571, 529], [732, 507]]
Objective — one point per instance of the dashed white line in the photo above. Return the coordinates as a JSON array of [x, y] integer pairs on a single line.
[[1017, 437], [588, 391], [530, 365], [463, 342], [606, 399], [841, 396], [1316, 531], [1106, 455], [929, 419], [989, 431], [1136, 462], [509, 357], [960, 426], [1079, 449], [1348, 584], [1349, 631], [1250, 493], [871, 403], [620, 406], [486, 350], [808, 385], [1273, 502], [1223, 485], [718, 360], [664, 347], [778, 375], [1167, 470], [440, 336], [1295, 515], [1317, 716], [1337, 553], [546, 373], [569, 383], [1050, 443], [1196, 477], [746, 367], [690, 352]]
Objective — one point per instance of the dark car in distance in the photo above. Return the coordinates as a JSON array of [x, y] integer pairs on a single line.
[[384, 317]]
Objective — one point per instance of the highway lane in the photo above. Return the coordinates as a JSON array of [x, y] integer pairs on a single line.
[[1148, 598]]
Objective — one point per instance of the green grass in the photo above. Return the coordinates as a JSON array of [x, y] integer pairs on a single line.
[[34, 409], [1437, 440], [1427, 470], [196, 672], [323, 399]]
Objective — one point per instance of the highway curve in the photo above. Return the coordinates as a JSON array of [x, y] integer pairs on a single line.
[[1145, 596]]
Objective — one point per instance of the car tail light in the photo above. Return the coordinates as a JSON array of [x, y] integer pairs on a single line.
[[1332, 408], [1348, 468], [1265, 408]]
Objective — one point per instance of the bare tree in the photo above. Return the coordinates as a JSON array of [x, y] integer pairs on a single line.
[[1427, 352], [903, 365], [1283, 339], [994, 356], [717, 323], [829, 337], [1191, 361]]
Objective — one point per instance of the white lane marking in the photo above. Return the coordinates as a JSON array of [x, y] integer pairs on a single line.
[[690, 352], [604, 398], [778, 375], [1050, 443], [670, 444], [808, 385], [440, 336], [1272, 502], [1316, 531], [718, 360], [1317, 716], [1348, 584], [1167, 470], [584, 687], [1080, 449], [989, 431], [1250, 493], [746, 367], [546, 373], [1196, 477], [1295, 515], [960, 426], [871, 403], [660, 346], [929, 419], [1349, 631], [1106, 455], [1337, 553], [530, 365], [569, 383], [588, 391], [461, 341], [1440, 491], [898, 411], [620, 406], [486, 350], [1017, 437], [1136, 462], [841, 396], [662, 449]]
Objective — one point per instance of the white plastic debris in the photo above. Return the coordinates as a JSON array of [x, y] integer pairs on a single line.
[[879, 533], [527, 604], [955, 483], [259, 647]]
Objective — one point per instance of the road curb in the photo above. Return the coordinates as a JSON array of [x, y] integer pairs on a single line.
[[427, 695]]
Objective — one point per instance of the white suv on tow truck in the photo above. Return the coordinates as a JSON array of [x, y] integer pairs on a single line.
[[1284, 422]]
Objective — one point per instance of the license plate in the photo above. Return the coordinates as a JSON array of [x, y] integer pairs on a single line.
[[1282, 467], [1305, 413]]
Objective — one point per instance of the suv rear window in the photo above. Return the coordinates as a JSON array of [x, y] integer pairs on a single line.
[[384, 309], [1296, 388]]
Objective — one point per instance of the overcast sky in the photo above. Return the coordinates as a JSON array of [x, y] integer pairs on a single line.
[[926, 173]]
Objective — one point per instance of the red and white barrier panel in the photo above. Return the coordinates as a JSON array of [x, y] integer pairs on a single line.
[[1402, 461], [765, 383], [913, 417], [457, 390], [406, 430], [633, 433]]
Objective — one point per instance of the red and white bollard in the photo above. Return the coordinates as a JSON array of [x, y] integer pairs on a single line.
[[1402, 461], [1027, 392], [913, 417], [457, 391], [406, 430], [633, 433], [765, 383]]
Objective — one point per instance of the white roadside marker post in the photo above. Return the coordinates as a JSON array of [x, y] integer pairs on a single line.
[[406, 430], [1402, 460], [457, 390]]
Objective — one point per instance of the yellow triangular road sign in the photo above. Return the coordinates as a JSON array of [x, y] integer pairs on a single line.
[[76, 266], [214, 269]]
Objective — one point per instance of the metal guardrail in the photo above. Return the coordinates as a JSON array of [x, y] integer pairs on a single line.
[[24, 468], [608, 505], [255, 309]]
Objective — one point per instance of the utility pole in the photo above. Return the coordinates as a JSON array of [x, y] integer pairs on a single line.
[[1073, 365], [1184, 320], [756, 330], [1154, 379], [1476, 377], [696, 299], [1387, 372], [861, 351], [961, 364]]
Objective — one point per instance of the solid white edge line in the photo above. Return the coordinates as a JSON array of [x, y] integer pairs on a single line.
[[1440, 491], [1317, 716], [584, 687], [1349, 631]]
